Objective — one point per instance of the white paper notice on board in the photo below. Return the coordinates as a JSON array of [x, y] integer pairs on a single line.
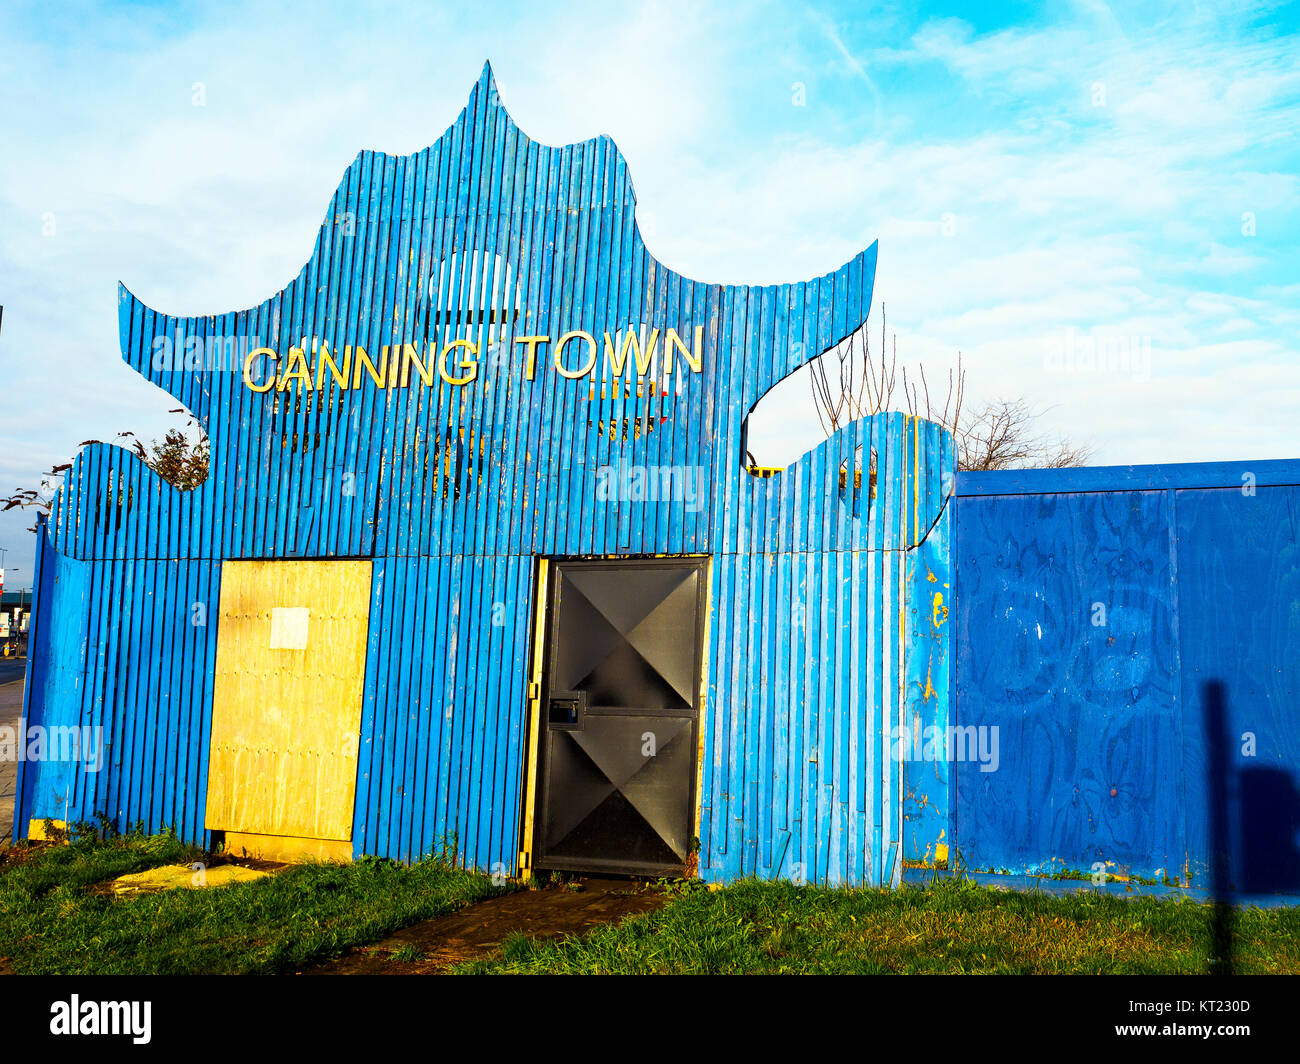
[[289, 627]]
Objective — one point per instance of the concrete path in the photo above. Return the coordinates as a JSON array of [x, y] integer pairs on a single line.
[[11, 707]]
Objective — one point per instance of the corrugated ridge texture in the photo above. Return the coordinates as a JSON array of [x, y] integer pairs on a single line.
[[454, 490]]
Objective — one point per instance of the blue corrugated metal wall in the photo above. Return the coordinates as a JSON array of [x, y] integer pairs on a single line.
[[927, 798], [116, 650], [444, 717], [454, 490], [812, 651], [1094, 608]]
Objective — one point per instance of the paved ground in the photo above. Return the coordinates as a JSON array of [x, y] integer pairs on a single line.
[[480, 929], [11, 706]]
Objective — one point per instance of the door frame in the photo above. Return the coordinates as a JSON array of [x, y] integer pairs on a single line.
[[546, 585]]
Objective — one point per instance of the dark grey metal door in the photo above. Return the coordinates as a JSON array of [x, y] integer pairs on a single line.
[[620, 705]]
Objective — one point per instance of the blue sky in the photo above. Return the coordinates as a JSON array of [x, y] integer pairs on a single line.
[[1041, 178]]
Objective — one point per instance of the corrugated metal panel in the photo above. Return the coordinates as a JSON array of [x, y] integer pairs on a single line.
[[923, 747], [455, 490], [128, 662], [491, 468], [808, 667], [444, 716]]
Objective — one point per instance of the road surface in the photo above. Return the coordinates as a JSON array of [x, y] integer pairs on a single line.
[[11, 705]]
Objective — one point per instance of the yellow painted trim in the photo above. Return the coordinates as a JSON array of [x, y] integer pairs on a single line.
[[287, 847], [707, 575], [524, 860], [47, 830]]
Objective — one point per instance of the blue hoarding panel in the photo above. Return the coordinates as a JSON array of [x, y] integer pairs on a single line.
[[1134, 640]]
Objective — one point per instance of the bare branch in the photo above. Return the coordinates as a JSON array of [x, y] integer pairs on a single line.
[[997, 435]]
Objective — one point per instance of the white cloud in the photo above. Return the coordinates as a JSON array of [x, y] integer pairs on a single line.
[[1122, 219]]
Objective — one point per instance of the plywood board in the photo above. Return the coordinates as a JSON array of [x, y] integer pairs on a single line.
[[287, 698], [286, 848]]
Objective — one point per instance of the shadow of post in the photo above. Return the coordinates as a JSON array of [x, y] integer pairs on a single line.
[[1224, 916], [1267, 818]]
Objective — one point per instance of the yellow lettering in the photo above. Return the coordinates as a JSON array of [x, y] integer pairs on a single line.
[[673, 343], [465, 363], [396, 360], [260, 352], [591, 354], [631, 341], [411, 353], [377, 373], [326, 359], [296, 370], [532, 342]]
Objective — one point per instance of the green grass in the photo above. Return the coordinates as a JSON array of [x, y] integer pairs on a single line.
[[950, 927], [51, 923]]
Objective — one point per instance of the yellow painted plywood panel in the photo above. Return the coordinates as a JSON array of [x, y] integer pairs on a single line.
[[286, 711], [282, 848]]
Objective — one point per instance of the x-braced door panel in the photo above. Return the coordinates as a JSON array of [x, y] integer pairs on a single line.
[[620, 717]]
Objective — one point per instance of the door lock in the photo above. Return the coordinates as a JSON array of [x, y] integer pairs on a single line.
[[566, 709]]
